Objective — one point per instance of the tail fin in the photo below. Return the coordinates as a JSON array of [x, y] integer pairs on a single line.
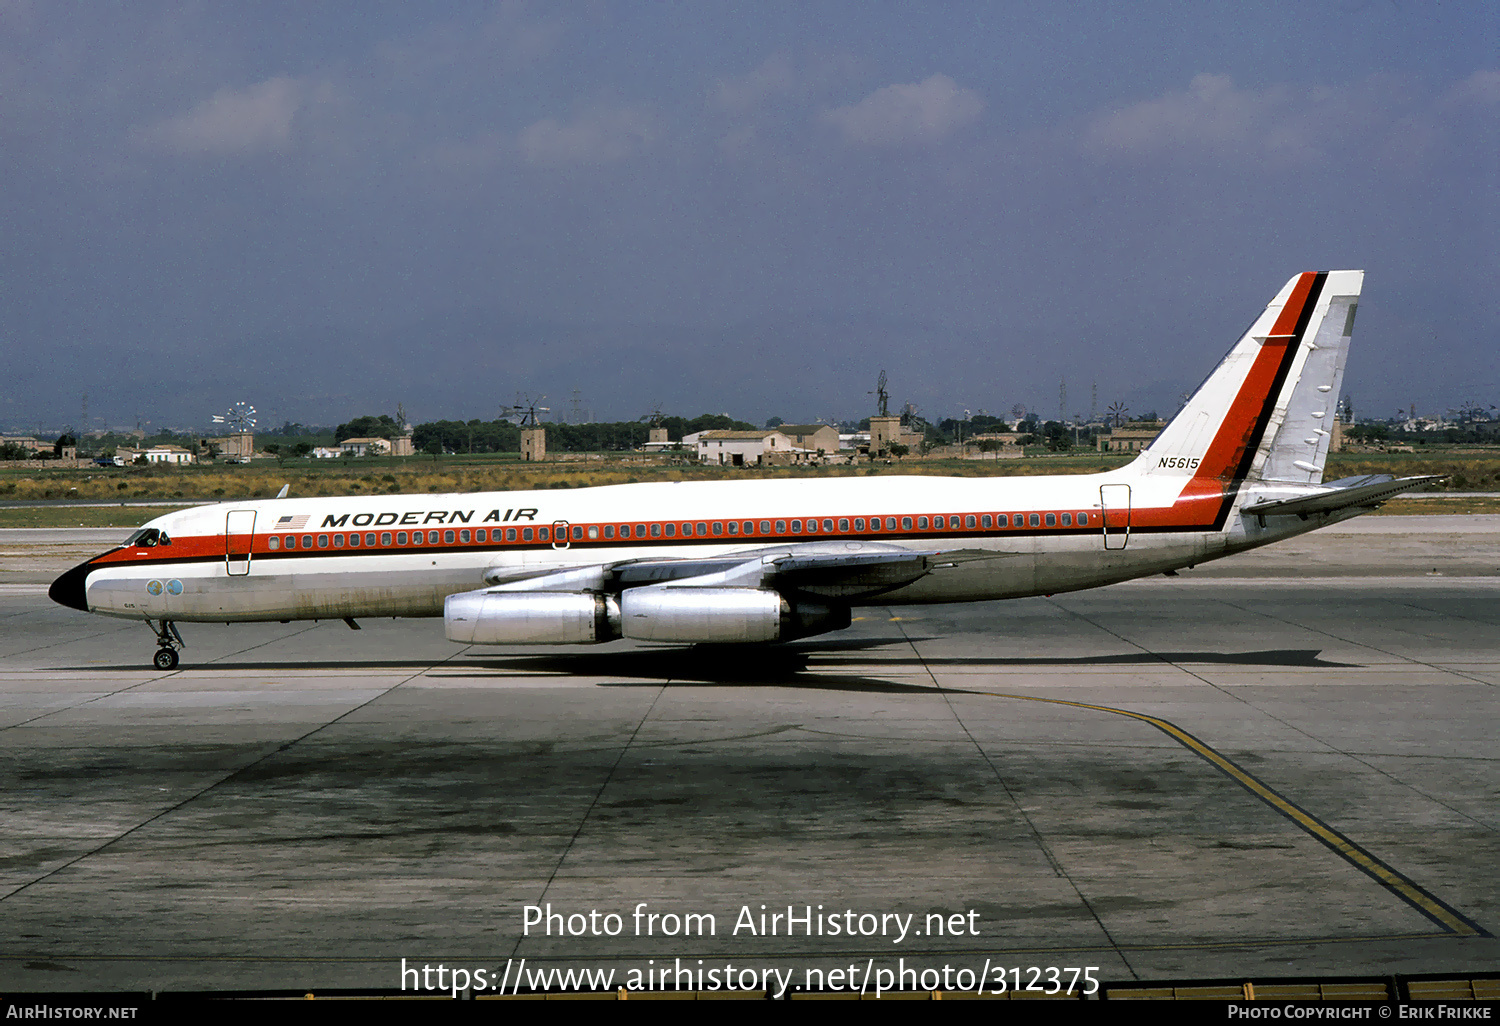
[[1266, 412]]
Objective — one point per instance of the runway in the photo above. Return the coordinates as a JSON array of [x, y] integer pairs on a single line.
[[1274, 768]]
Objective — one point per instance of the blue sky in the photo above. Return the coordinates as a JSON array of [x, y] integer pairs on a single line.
[[329, 209]]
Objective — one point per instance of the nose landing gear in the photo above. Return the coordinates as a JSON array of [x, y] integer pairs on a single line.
[[168, 641]]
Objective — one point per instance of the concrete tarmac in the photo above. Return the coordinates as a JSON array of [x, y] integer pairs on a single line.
[[1282, 768]]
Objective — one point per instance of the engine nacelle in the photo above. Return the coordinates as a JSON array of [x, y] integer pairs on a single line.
[[722, 615], [530, 618]]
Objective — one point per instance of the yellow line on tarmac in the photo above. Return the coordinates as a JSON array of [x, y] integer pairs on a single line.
[[1402, 886]]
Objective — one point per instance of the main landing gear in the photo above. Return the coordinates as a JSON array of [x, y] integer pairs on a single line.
[[168, 641]]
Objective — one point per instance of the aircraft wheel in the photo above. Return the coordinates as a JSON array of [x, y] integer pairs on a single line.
[[166, 659]]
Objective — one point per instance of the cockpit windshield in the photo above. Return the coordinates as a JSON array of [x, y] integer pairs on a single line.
[[147, 537]]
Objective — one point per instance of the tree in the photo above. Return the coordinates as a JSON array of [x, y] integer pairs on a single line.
[[367, 427], [302, 449], [898, 450]]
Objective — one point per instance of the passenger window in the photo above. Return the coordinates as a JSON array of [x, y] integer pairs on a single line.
[[322, 541], [656, 530], [1036, 521], [1067, 519], [481, 535], [609, 530], [448, 537], [307, 541], [748, 527], [510, 533], [273, 542], [765, 527], [781, 527], [640, 531], [859, 524], [463, 536], [1083, 518], [921, 523], [734, 528], [543, 533], [985, 521], [890, 523], [525, 533], [400, 537], [291, 541], [906, 523], [1051, 519], [828, 526], [702, 529], [969, 522], [941, 523], [338, 541], [687, 530], [385, 537], [1001, 520], [874, 523], [671, 530], [796, 527]]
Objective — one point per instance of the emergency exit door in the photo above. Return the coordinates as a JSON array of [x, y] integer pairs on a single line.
[[239, 539], [1115, 502]]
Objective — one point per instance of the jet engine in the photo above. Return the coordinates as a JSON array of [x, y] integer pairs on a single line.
[[530, 618], [668, 614]]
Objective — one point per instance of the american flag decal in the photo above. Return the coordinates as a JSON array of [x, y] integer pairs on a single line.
[[291, 523]]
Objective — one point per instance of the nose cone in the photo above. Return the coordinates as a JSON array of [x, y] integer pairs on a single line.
[[69, 589]]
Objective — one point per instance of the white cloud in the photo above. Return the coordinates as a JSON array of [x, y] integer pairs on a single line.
[[774, 78], [921, 112], [256, 118], [1482, 88], [1279, 125], [595, 137]]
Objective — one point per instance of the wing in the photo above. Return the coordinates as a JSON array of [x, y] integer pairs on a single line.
[[1369, 490], [839, 575]]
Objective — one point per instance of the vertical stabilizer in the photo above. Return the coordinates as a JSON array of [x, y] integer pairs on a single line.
[[1266, 412]]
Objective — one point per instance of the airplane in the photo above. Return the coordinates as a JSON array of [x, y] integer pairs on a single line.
[[740, 562]]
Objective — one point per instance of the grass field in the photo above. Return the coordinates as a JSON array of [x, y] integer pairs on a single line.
[[1472, 471]]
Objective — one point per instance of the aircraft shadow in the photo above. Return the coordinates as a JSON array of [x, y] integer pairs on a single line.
[[750, 664]]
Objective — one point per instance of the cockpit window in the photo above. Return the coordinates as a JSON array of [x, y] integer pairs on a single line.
[[145, 538]]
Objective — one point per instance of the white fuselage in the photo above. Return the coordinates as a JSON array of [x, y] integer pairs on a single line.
[[402, 555]]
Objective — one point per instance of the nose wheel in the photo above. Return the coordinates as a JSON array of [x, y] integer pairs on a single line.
[[168, 641]]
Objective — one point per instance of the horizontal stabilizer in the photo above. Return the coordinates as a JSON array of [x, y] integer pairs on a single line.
[[1368, 490]]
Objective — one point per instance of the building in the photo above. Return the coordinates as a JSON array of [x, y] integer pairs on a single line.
[[887, 431], [822, 439], [26, 442], [533, 443], [238, 447], [743, 448], [1132, 436], [155, 454], [365, 446], [402, 445]]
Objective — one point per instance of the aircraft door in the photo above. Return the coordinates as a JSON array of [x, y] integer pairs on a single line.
[[239, 538], [1114, 499], [559, 534]]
